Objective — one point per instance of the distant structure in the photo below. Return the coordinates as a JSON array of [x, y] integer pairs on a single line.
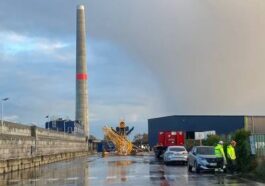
[[122, 129], [81, 70], [189, 124], [119, 138], [65, 125]]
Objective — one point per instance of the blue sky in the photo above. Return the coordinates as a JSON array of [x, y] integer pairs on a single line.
[[145, 59], [38, 76]]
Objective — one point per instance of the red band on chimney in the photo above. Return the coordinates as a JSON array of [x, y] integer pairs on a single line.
[[81, 76]]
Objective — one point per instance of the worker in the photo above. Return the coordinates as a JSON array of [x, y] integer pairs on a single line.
[[231, 156], [219, 153]]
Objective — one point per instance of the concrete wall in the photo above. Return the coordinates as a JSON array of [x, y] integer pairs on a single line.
[[20, 144], [15, 129]]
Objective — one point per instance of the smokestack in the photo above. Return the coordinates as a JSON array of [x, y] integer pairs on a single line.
[[81, 70]]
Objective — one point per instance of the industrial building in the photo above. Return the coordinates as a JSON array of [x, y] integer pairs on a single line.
[[188, 123], [67, 126]]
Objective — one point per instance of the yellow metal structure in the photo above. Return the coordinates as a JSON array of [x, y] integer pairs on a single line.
[[123, 145]]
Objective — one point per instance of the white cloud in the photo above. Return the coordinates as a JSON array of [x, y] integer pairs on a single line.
[[13, 43], [12, 118]]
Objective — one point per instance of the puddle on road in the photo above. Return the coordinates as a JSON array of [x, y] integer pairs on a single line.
[[114, 171], [121, 163]]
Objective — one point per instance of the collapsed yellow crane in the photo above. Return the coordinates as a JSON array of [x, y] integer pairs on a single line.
[[123, 145]]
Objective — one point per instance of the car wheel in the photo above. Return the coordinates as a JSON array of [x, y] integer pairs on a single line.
[[197, 168], [189, 168]]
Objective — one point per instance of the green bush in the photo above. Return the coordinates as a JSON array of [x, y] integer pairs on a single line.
[[242, 150], [212, 140], [189, 143]]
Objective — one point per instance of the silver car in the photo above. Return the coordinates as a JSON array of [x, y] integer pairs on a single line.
[[175, 154], [203, 158]]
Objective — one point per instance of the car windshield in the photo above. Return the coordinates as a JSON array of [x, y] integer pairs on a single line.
[[177, 149], [205, 150]]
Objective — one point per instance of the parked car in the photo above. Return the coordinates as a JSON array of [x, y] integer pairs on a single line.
[[202, 158], [175, 154]]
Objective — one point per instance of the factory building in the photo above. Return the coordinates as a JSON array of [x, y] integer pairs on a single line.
[[67, 126], [190, 124]]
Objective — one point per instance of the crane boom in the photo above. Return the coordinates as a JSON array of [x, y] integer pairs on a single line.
[[123, 145]]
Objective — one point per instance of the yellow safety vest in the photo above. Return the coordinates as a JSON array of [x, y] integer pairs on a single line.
[[231, 152], [219, 151]]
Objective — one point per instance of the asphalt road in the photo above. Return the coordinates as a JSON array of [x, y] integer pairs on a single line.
[[116, 170]]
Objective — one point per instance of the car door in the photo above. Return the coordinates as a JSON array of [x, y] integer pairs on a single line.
[[166, 153]]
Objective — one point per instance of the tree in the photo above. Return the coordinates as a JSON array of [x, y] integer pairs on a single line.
[[212, 140], [140, 139], [242, 150], [92, 137]]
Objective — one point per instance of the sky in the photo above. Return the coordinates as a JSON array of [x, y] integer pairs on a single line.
[[145, 59]]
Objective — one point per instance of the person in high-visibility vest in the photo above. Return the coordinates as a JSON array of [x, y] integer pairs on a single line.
[[231, 156], [219, 153]]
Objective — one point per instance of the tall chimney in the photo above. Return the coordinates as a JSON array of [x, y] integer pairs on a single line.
[[81, 70]]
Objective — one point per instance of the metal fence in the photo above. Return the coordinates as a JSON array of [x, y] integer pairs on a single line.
[[257, 143]]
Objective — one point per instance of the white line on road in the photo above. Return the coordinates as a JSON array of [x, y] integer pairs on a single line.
[[34, 180], [92, 178], [111, 177], [14, 180], [152, 176], [52, 179], [74, 178]]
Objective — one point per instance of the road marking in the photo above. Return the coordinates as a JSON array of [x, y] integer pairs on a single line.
[[152, 176], [14, 180], [34, 180], [53, 179], [146, 176], [74, 178], [92, 178], [111, 177]]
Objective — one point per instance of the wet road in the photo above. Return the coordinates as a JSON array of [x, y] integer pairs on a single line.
[[115, 170]]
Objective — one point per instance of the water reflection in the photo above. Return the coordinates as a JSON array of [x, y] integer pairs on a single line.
[[118, 170], [158, 175], [73, 172]]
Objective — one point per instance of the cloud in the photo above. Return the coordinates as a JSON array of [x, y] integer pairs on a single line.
[[145, 58], [207, 55], [13, 43], [12, 118]]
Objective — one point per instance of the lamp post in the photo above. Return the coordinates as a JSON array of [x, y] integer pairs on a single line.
[[2, 112], [48, 121]]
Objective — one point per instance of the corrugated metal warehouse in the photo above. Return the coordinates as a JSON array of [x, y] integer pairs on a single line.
[[221, 124]]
